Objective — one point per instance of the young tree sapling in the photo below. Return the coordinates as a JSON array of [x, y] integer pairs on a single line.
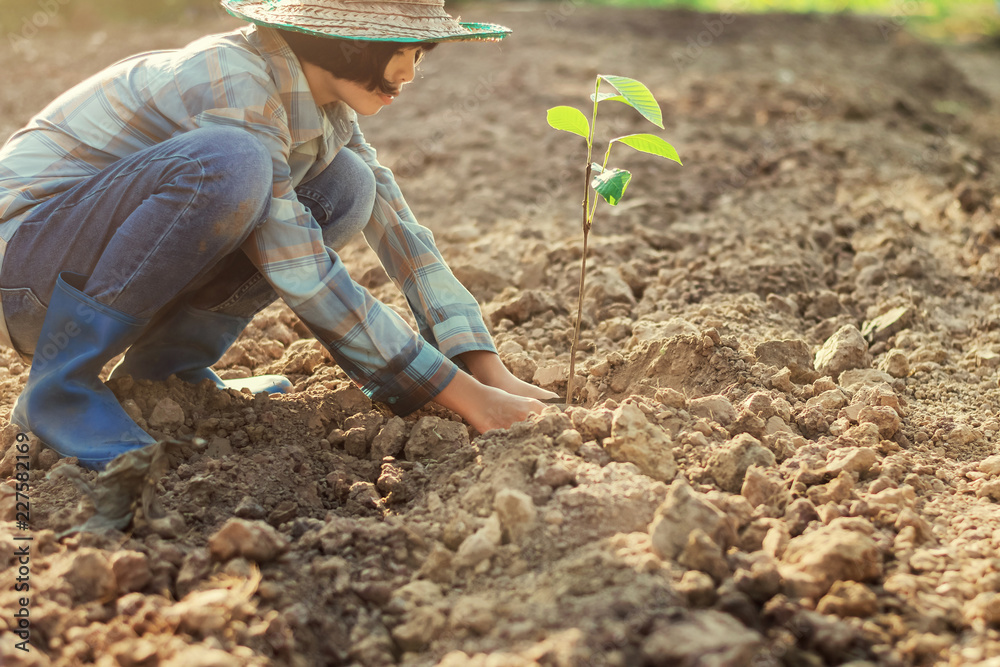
[[609, 183]]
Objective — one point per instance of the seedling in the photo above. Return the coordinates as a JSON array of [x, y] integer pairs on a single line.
[[609, 183]]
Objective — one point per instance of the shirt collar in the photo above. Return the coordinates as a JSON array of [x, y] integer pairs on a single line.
[[306, 120]]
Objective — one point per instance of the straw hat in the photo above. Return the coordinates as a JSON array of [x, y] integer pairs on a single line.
[[381, 21]]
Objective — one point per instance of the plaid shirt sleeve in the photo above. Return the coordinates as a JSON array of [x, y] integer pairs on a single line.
[[373, 344], [446, 313]]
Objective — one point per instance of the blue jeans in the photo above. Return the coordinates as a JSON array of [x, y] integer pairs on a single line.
[[163, 227]]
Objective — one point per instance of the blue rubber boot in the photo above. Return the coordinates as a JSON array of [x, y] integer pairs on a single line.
[[65, 404], [185, 343]]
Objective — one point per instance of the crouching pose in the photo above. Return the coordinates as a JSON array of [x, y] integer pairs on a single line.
[[156, 207]]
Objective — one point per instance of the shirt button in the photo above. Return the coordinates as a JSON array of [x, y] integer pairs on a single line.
[[392, 400]]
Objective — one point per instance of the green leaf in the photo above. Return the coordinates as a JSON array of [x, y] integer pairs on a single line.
[[569, 119], [652, 144], [638, 96], [610, 97], [611, 184]]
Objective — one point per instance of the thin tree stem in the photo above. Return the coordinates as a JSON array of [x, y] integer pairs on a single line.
[[588, 218], [583, 275], [579, 319]]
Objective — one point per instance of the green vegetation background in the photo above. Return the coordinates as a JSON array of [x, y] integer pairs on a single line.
[[961, 20]]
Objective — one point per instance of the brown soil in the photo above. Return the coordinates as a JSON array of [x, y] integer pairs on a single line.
[[833, 174]]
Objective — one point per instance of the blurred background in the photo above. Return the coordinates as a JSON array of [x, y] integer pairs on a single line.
[[946, 20]]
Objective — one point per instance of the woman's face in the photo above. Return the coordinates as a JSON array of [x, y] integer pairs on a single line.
[[326, 88]]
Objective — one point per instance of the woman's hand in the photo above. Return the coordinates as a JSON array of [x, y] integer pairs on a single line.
[[488, 369], [483, 406]]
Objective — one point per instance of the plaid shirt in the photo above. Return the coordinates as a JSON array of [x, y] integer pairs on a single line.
[[251, 80]]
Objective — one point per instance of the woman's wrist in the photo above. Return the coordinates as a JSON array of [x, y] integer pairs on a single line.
[[484, 365]]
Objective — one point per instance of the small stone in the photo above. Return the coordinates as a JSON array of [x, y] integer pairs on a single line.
[[857, 460], [987, 359], [475, 613], [728, 465], [814, 561], [423, 625], [892, 500], [683, 511], [134, 652], [199, 655], [836, 491], [701, 553], [435, 438], [848, 598], [555, 473], [254, 540], [698, 588], [895, 363], [196, 566], [845, 350], [218, 448], [550, 375], [438, 565], [390, 439], [356, 442], [249, 508], [166, 414], [856, 378], [170, 526], [885, 418], [761, 582], [714, 408], [799, 514], [706, 637], [782, 381], [570, 439], [984, 608], [286, 510], [923, 530], [87, 573], [794, 355], [761, 489], [776, 540], [671, 398], [480, 545], [990, 489], [635, 440], [516, 511], [131, 570], [990, 465], [591, 452], [594, 424]]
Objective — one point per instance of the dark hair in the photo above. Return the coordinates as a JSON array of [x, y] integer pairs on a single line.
[[356, 60]]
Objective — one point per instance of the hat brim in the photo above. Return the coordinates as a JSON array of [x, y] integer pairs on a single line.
[[461, 32]]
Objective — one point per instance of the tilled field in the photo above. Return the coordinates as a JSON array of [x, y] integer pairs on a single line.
[[784, 448]]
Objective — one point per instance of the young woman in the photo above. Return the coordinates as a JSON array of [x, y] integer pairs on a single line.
[[158, 205]]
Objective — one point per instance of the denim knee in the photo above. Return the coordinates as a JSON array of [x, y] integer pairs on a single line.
[[341, 199], [237, 177]]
